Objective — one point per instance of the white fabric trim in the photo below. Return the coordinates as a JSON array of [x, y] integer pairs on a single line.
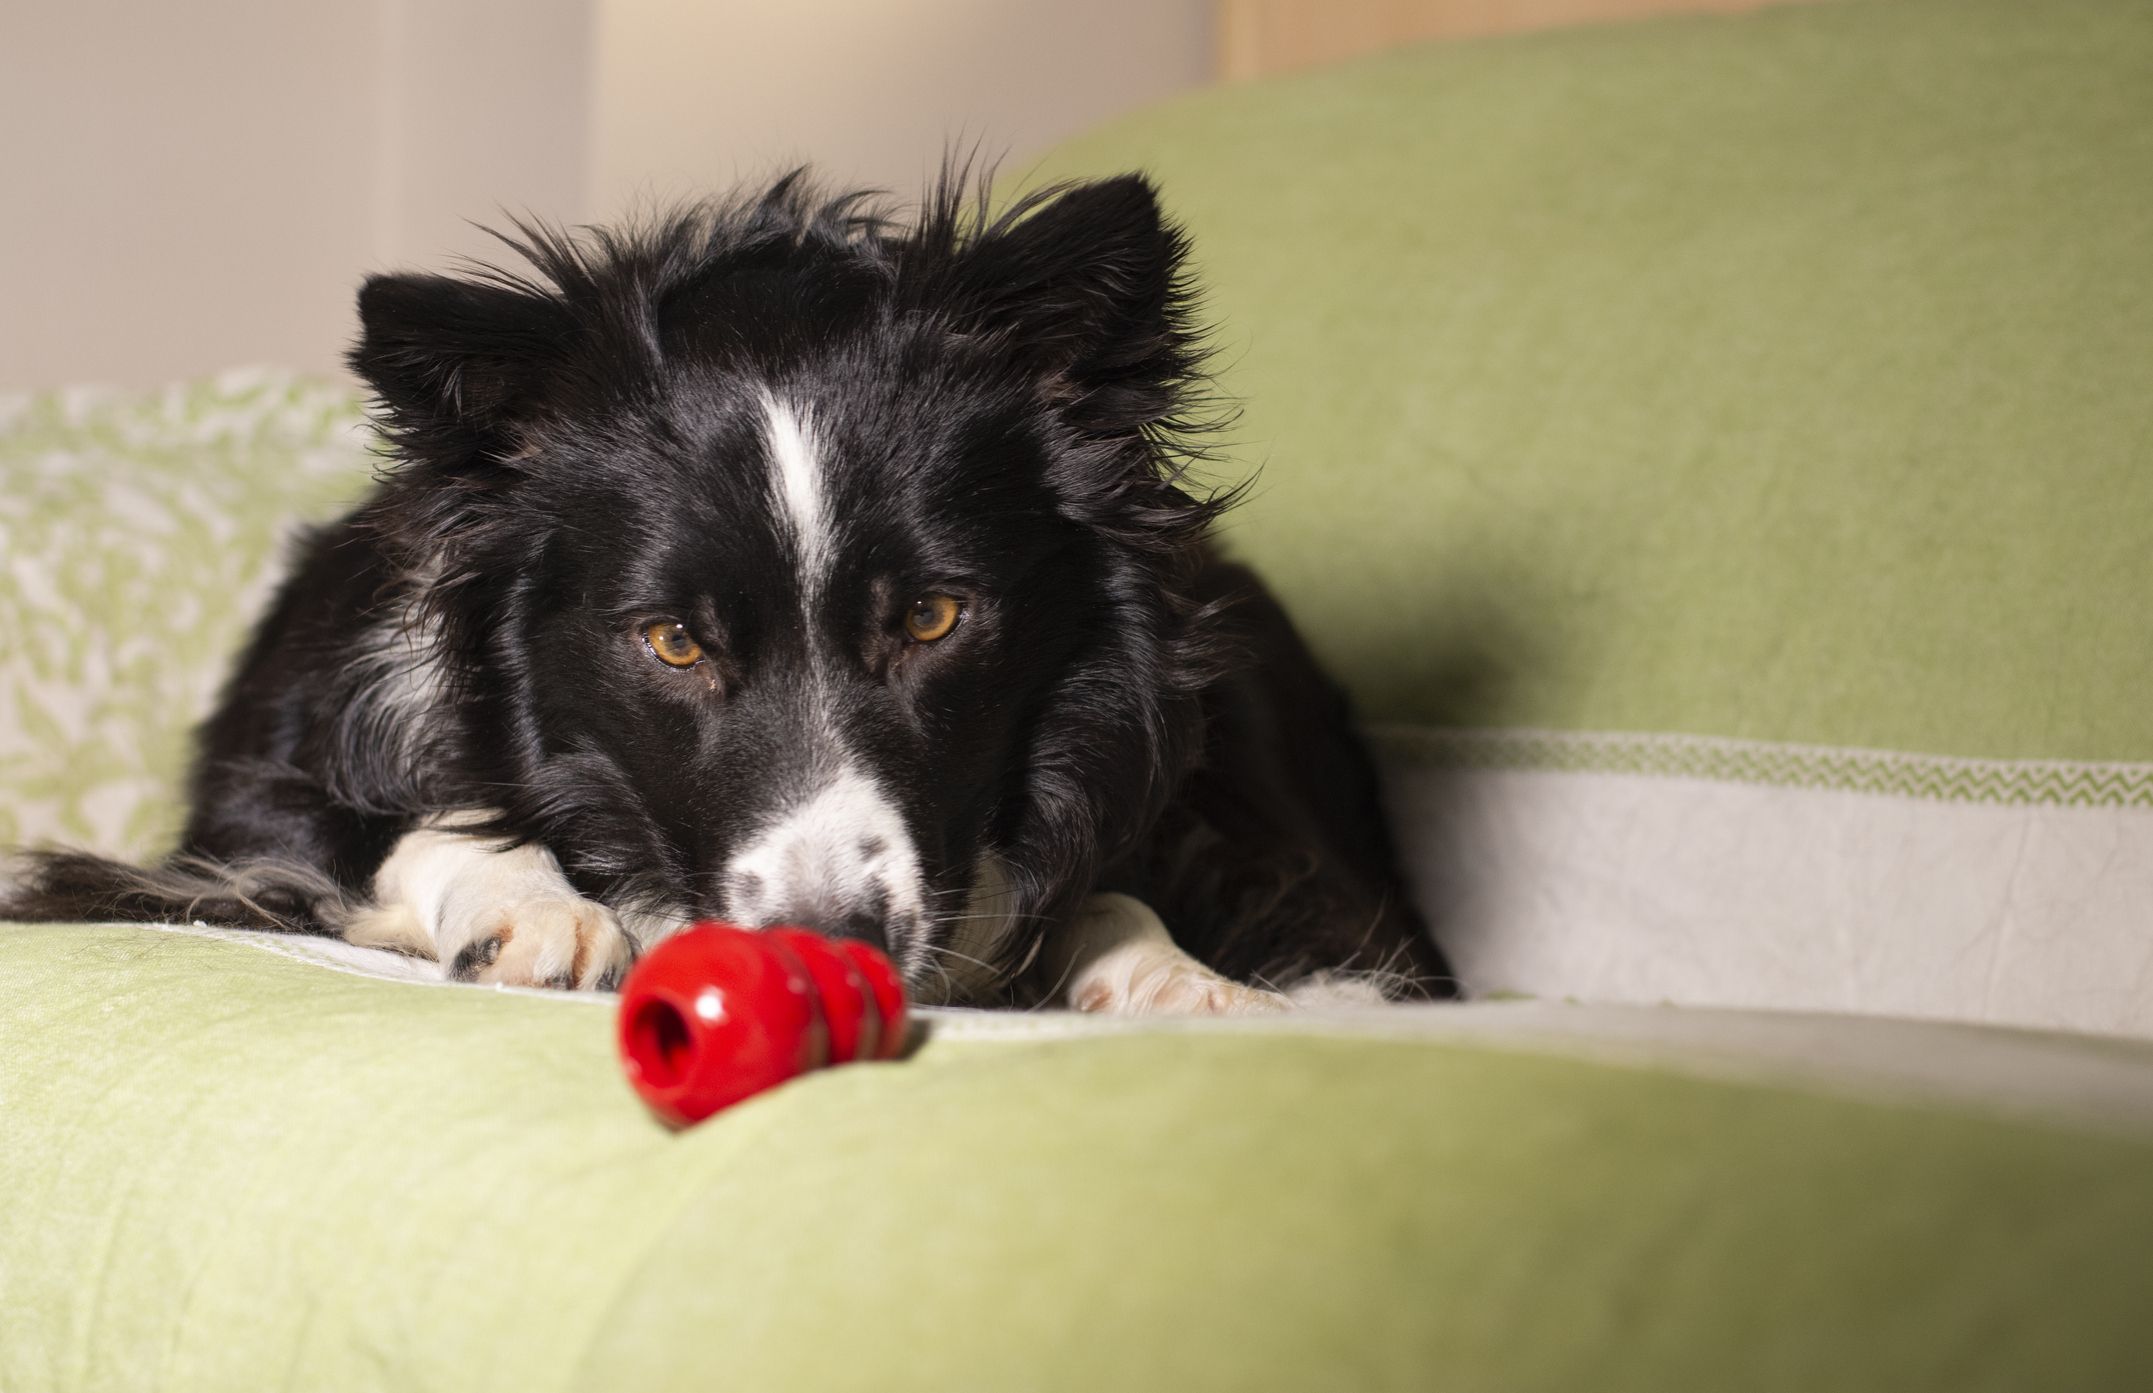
[[1651, 888]]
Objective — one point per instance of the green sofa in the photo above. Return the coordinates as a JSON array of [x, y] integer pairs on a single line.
[[1713, 452]]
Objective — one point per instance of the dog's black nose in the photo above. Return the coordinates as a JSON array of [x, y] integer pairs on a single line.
[[870, 929], [830, 915], [864, 925]]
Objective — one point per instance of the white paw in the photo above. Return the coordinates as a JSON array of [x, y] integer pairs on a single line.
[[1170, 988], [543, 941], [490, 912], [1339, 991], [1123, 962]]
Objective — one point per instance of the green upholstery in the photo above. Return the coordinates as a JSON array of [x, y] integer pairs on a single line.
[[1714, 452], [1781, 376], [230, 1170]]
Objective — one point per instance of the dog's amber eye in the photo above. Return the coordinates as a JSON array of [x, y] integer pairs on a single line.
[[932, 617], [673, 644]]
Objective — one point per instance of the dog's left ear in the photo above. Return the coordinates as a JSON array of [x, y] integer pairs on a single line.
[[454, 360], [1085, 284]]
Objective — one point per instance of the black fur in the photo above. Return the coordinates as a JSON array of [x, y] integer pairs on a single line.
[[1009, 404]]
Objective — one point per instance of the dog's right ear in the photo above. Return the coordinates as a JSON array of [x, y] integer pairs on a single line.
[[455, 358]]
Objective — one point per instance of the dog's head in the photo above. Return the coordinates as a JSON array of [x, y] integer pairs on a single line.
[[793, 565]]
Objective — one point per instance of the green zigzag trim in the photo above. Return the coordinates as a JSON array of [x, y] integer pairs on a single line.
[[1939, 778]]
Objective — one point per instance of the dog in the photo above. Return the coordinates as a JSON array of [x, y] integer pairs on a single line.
[[783, 560]]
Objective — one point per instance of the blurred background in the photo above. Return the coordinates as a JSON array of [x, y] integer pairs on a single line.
[[198, 184]]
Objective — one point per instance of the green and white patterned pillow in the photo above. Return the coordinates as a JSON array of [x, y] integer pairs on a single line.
[[139, 536]]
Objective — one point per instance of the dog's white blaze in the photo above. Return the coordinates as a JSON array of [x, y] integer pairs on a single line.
[[844, 849], [797, 482]]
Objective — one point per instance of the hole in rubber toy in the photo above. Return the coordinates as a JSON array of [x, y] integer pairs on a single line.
[[659, 1043]]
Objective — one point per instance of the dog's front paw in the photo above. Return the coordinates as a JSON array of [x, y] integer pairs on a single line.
[[1124, 962], [548, 941], [1184, 988]]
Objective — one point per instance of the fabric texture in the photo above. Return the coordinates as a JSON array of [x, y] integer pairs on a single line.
[[139, 534], [228, 1169], [1650, 887], [1778, 376]]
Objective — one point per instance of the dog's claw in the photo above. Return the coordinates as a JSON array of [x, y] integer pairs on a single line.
[[560, 942]]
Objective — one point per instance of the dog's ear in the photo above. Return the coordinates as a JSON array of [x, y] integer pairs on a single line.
[[1086, 284], [455, 358]]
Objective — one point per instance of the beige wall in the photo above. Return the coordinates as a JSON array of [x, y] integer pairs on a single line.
[[1259, 38], [198, 184], [194, 184], [693, 94]]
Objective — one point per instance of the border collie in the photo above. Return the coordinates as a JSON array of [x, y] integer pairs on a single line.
[[782, 562]]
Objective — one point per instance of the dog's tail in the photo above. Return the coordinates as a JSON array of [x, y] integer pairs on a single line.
[[58, 886]]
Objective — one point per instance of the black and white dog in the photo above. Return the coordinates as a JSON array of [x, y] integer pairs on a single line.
[[783, 563]]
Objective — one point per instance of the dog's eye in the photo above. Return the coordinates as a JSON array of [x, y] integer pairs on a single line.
[[932, 617], [673, 644]]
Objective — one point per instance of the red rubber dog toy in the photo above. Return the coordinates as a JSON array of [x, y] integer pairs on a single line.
[[716, 1014]]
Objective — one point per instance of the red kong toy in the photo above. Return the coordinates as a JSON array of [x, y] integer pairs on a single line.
[[716, 1014]]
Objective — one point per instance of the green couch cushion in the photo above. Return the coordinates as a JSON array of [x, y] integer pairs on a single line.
[[229, 1169], [1715, 453], [1781, 376]]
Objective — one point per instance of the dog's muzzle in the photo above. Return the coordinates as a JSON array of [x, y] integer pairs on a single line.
[[842, 862]]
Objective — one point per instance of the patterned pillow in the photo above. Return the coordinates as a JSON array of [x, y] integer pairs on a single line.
[[139, 536]]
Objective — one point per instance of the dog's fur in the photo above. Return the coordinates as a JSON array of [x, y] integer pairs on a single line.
[[779, 422]]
